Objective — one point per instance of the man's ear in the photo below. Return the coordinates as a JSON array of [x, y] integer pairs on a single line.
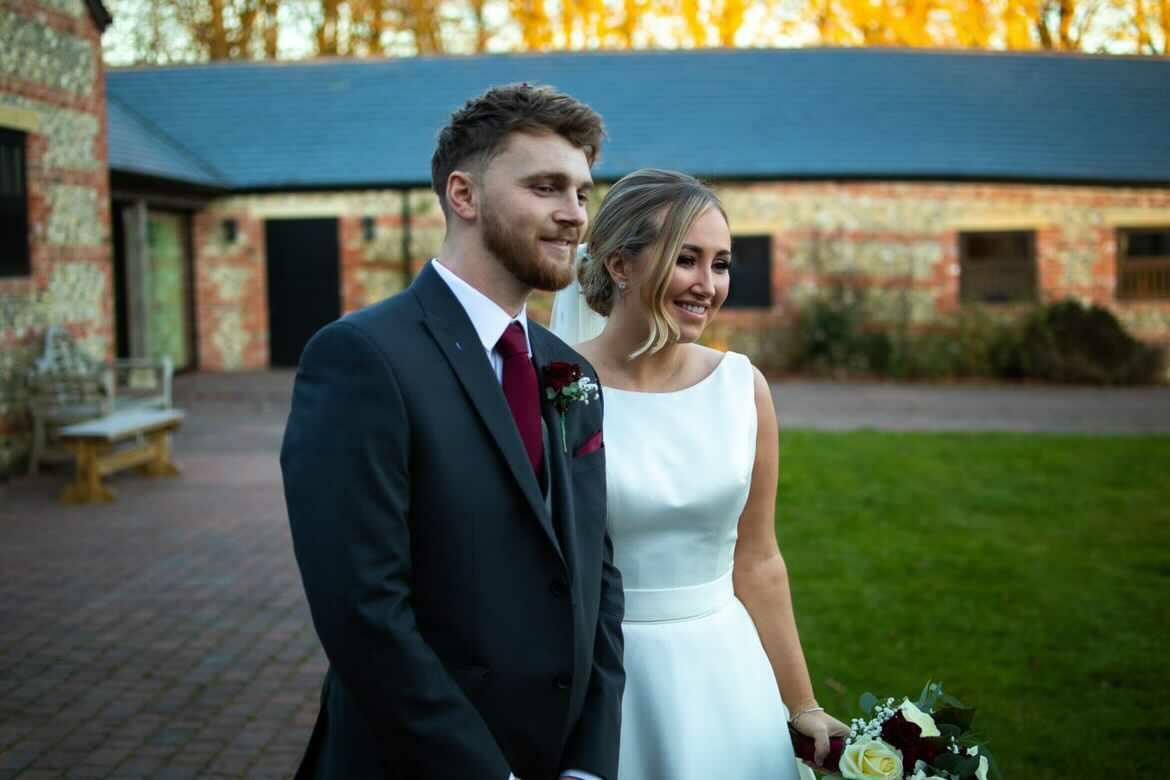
[[462, 195]]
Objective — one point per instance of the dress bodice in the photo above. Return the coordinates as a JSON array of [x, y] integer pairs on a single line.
[[678, 470]]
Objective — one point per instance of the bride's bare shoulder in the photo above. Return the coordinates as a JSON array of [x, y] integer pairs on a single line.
[[589, 350], [705, 356]]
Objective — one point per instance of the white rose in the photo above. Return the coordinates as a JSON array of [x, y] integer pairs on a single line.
[[981, 772], [920, 719], [804, 771], [871, 759]]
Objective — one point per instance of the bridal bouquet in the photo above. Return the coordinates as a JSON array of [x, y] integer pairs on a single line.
[[929, 739]]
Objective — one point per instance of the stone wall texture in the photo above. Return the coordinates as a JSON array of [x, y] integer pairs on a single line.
[[52, 86], [231, 285], [899, 240]]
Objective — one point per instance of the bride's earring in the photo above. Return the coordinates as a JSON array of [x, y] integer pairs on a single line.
[[622, 286]]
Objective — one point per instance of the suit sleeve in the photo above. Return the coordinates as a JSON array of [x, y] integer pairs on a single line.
[[593, 743], [346, 467]]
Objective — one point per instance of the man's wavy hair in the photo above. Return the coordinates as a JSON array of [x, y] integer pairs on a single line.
[[477, 132]]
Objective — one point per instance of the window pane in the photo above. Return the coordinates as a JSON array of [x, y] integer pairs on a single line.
[[1148, 243], [997, 267], [14, 250], [1143, 264], [751, 272]]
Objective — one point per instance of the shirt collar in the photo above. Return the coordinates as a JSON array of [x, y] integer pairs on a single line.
[[488, 319]]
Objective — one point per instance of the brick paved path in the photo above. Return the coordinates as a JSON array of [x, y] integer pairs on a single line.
[[166, 635]]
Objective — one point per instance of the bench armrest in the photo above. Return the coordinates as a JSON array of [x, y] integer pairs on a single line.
[[163, 369]]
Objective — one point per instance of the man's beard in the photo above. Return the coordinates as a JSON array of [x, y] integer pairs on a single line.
[[522, 256]]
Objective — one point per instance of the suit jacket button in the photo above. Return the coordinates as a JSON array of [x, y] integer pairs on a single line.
[[563, 681], [558, 588]]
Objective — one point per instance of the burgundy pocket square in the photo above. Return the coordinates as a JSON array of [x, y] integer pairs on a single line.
[[592, 445]]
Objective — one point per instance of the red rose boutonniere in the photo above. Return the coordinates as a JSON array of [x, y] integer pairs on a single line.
[[564, 386]]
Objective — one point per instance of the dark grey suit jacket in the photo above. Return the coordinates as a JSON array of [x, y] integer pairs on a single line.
[[471, 632]]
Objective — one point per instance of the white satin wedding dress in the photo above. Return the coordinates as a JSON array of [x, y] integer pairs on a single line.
[[701, 701]]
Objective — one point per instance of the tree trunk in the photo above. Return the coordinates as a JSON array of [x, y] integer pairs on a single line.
[[218, 44]]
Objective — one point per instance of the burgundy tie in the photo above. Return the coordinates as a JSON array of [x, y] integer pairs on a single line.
[[522, 391]]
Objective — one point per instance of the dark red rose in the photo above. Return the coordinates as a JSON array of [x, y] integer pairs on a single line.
[[805, 748], [559, 375], [900, 732], [907, 737]]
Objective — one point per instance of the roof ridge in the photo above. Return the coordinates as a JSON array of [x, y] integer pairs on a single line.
[[168, 139]]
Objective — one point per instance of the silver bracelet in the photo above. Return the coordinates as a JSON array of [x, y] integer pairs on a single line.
[[805, 711]]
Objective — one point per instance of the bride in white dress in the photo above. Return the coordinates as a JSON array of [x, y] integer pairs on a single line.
[[714, 668]]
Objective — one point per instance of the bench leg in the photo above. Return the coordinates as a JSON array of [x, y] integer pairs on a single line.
[[160, 464], [38, 444], [87, 487]]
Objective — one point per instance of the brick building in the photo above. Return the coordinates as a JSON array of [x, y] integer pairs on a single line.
[[55, 253], [938, 179], [249, 203]]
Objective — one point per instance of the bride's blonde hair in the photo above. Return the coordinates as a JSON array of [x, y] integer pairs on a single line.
[[646, 208]]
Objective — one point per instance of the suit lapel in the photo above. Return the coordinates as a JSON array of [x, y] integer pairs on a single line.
[[555, 457], [451, 328]]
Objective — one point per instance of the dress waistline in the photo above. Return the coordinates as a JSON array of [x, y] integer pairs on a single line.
[[660, 605]]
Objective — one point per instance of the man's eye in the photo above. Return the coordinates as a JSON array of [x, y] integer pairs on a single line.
[[543, 189]]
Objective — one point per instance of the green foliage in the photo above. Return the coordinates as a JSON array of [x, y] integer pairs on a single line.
[[1070, 342], [1023, 570], [834, 335], [838, 335]]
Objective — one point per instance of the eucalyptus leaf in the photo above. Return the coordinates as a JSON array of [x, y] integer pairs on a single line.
[[868, 702], [955, 716], [951, 701], [955, 763], [922, 697], [948, 729]]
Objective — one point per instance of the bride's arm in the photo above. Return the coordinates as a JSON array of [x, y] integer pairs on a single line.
[[761, 580]]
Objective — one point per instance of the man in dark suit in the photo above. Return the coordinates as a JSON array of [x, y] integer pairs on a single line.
[[451, 539]]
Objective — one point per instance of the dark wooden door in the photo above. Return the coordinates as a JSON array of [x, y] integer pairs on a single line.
[[304, 283]]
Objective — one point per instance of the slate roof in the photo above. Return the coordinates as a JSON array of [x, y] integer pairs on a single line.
[[136, 146], [721, 114]]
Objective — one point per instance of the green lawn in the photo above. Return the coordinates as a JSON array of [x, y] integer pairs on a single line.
[[1029, 573]]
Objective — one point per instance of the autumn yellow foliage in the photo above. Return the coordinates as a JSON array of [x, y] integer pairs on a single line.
[[249, 29]]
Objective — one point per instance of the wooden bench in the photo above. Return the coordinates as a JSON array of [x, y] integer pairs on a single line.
[[67, 385], [94, 444]]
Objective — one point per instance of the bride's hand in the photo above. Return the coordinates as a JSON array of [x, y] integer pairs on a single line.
[[820, 726]]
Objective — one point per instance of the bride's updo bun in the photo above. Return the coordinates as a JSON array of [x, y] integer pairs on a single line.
[[646, 208]]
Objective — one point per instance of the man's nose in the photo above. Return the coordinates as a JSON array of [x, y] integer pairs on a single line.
[[572, 212]]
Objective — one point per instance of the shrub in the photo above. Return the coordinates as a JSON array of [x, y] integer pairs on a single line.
[[834, 336], [1070, 342], [1060, 342]]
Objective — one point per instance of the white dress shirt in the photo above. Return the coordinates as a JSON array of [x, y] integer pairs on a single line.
[[488, 319], [490, 322]]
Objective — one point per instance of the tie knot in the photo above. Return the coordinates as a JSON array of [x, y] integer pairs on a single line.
[[512, 342]]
